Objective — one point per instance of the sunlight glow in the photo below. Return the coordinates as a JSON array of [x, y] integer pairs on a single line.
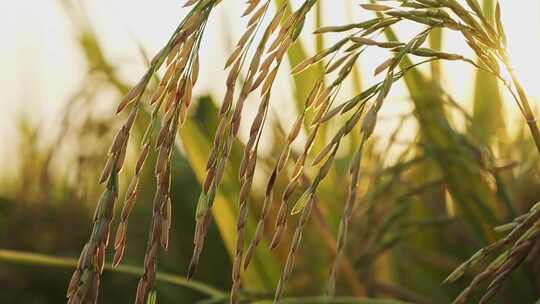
[[41, 63]]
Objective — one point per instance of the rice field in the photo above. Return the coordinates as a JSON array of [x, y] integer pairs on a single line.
[[347, 187]]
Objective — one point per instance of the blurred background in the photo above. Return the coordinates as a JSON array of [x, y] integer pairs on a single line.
[[66, 64]]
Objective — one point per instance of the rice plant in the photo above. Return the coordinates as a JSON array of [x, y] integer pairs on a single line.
[[173, 96], [334, 212]]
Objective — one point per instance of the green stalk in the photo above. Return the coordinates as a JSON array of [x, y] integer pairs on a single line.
[[525, 106], [335, 300], [435, 43], [487, 119], [27, 258], [452, 153]]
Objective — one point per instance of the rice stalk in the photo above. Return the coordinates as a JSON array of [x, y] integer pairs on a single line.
[[35, 259], [487, 117]]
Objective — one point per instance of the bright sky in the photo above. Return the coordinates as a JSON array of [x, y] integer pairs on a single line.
[[40, 65]]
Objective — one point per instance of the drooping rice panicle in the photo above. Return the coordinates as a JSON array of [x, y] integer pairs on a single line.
[[295, 245], [174, 93], [278, 167], [84, 285], [176, 99], [265, 79], [322, 106], [320, 101], [368, 125], [522, 233], [249, 159], [276, 52], [229, 122], [306, 201], [354, 170]]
